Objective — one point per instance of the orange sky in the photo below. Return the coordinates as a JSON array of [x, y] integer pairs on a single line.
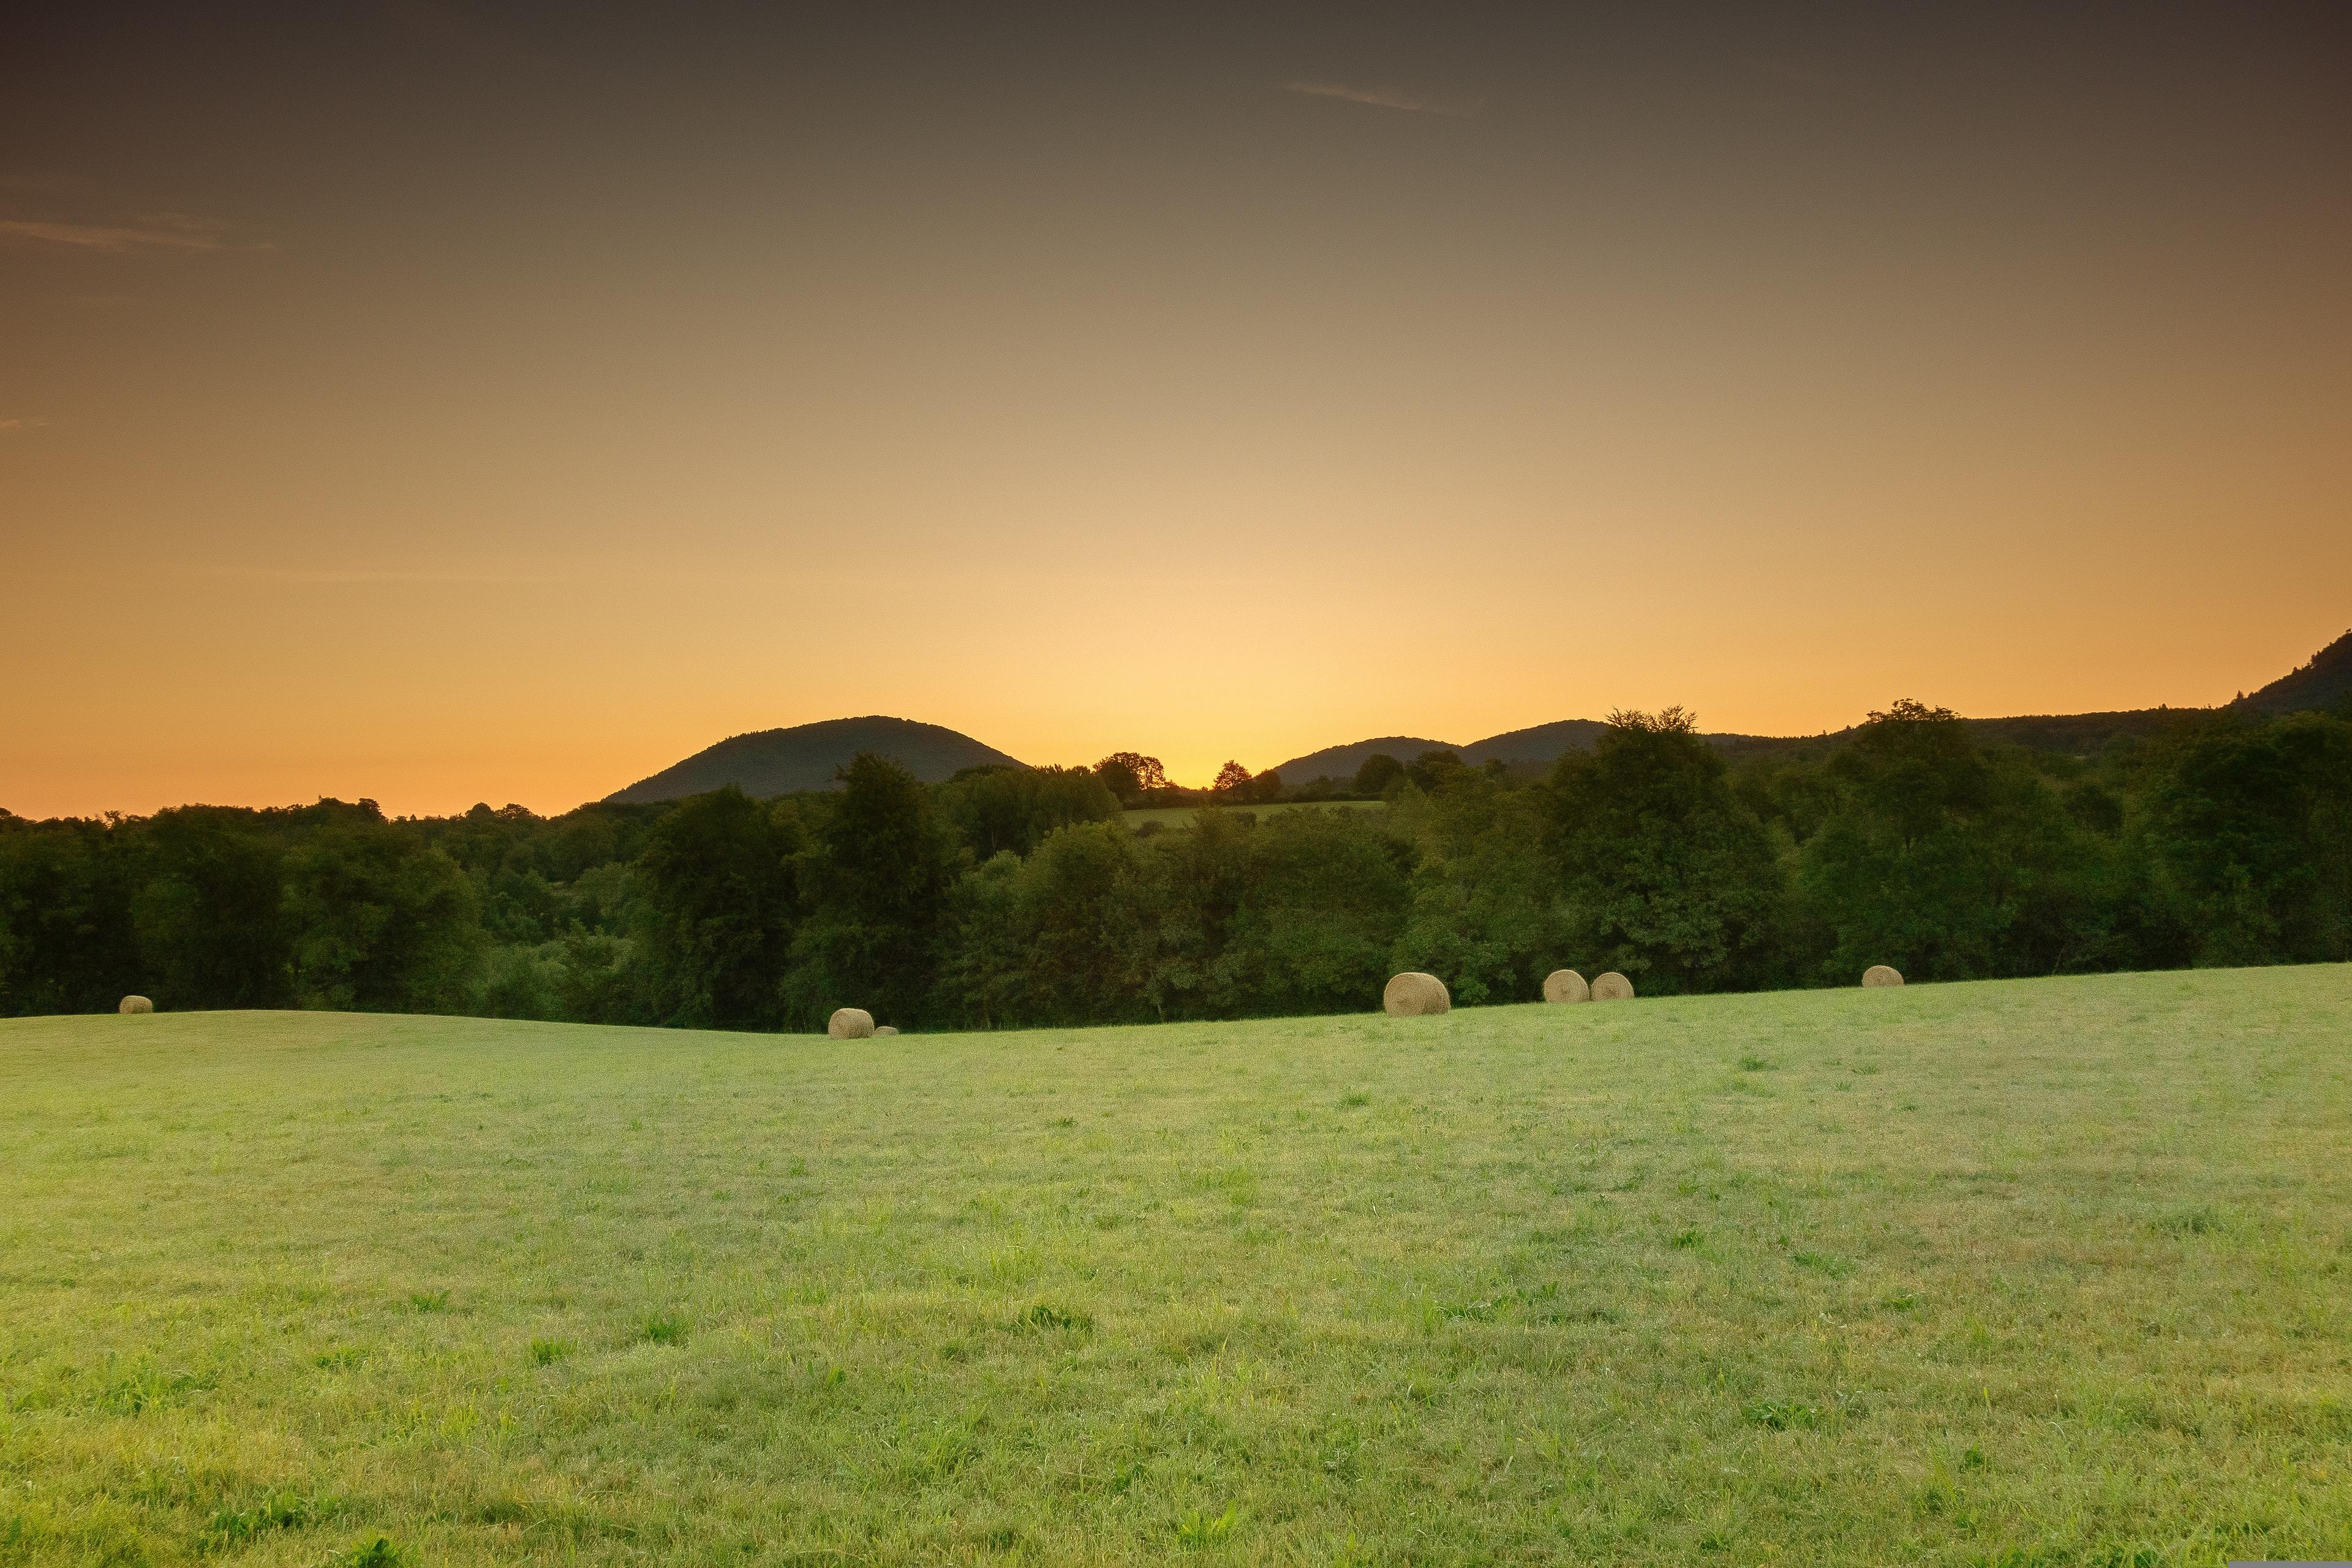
[[444, 403]]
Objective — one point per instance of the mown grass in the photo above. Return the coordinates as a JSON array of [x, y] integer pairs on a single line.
[[2036, 1273]]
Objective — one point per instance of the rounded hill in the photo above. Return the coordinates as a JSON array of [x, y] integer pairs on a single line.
[[808, 756]]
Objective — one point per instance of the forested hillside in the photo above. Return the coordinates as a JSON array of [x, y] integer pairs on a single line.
[[2324, 682], [809, 756], [2318, 685], [1009, 896]]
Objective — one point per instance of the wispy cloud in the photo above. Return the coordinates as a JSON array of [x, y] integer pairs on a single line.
[[27, 424], [164, 231], [1388, 98]]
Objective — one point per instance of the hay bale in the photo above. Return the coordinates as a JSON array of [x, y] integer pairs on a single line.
[[136, 1004], [882, 1029], [1879, 974], [1414, 994], [1612, 987], [1566, 985], [850, 1024]]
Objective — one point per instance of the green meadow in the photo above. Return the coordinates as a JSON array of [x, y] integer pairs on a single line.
[[2038, 1272]]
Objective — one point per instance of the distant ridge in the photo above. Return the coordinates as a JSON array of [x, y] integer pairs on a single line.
[[2322, 683], [1539, 746], [1342, 762], [806, 756], [1543, 744]]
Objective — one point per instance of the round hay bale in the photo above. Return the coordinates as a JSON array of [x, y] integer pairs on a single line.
[[850, 1024], [1879, 974], [1612, 987], [136, 1004], [1566, 985], [1414, 994], [882, 1029]]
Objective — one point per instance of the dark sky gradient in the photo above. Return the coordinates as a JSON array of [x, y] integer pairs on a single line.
[[442, 401]]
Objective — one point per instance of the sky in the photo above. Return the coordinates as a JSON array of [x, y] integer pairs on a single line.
[[440, 402]]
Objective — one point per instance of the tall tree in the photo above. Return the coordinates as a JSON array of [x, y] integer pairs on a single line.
[[881, 870], [1944, 859], [1668, 876], [1376, 773], [2253, 827], [1001, 809], [1131, 775], [720, 903], [1486, 914], [1325, 896], [67, 939], [211, 925], [383, 922], [1436, 769]]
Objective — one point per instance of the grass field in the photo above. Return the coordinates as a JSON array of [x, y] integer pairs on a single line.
[[2054, 1272], [1177, 815]]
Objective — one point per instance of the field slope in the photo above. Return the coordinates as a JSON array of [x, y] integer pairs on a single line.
[[2033, 1273]]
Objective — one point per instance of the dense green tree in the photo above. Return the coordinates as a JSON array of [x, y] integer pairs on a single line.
[[1944, 859], [1131, 775], [596, 983], [1258, 789], [1792, 794], [880, 874], [1001, 809], [1321, 904], [719, 905], [538, 877], [1075, 908], [1377, 771], [209, 911], [1194, 883], [382, 921], [67, 939], [1017, 896], [2253, 827], [1487, 915], [1436, 770], [521, 981], [1668, 875], [983, 973]]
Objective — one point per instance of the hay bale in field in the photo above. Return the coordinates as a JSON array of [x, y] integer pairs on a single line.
[[882, 1029], [850, 1024], [1612, 987], [136, 1004], [1879, 974], [1414, 994], [1566, 985]]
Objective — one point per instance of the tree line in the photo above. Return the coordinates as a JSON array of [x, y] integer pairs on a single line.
[[1016, 896]]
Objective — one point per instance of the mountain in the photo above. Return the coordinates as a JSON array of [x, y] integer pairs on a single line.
[[778, 762], [1543, 744], [1342, 762], [1539, 746], [2323, 683], [806, 756]]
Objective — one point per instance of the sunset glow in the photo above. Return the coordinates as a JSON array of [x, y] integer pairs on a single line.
[[437, 405]]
